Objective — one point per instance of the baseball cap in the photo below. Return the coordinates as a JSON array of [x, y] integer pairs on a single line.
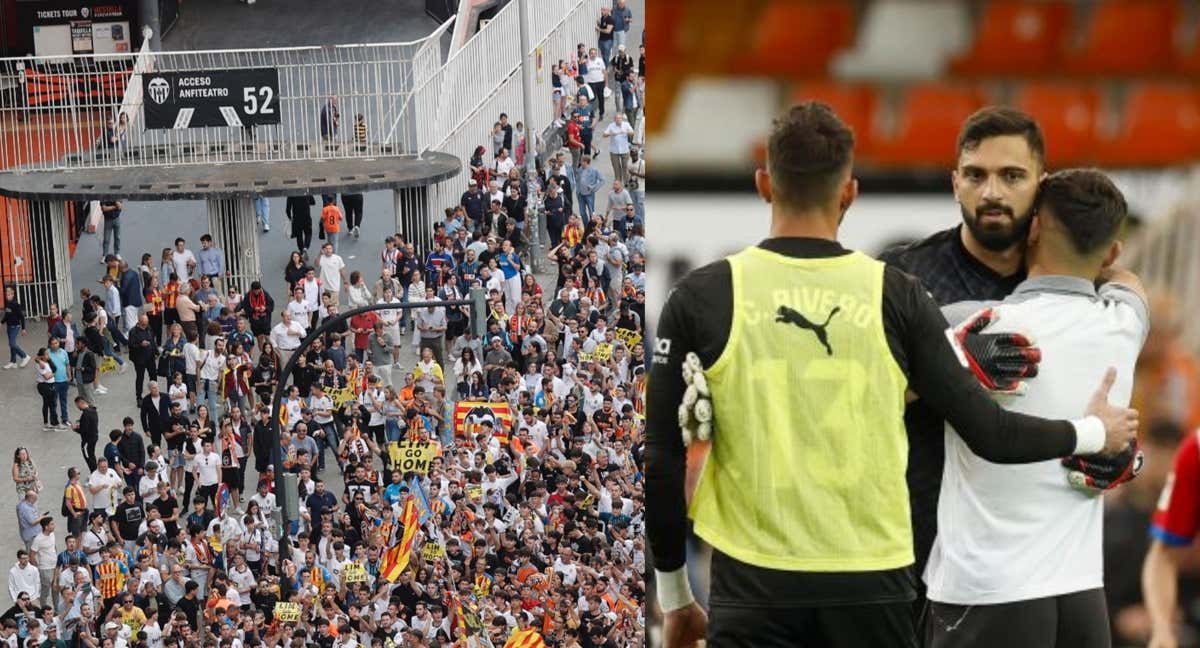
[[111, 625], [472, 182]]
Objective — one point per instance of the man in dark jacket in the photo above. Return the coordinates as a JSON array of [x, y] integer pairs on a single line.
[[556, 215], [155, 410], [257, 306], [298, 212], [129, 286], [88, 429], [142, 352], [473, 202], [133, 452]]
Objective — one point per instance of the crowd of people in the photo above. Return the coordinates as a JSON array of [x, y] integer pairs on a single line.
[[492, 487]]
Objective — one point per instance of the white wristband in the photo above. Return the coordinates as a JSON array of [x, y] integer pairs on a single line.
[[674, 590], [1090, 436]]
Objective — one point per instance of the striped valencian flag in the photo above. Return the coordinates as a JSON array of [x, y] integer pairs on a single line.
[[396, 558], [528, 638], [467, 414]]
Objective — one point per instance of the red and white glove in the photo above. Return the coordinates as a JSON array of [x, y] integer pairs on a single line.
[[1001, 362]]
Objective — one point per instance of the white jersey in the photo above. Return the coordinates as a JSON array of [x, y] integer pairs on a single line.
[[1015, 532]]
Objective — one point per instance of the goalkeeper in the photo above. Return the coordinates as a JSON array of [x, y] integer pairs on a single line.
[[1017, 560], [806, 351]]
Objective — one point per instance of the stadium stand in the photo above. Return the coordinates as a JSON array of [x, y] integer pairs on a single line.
[[1112, 81]]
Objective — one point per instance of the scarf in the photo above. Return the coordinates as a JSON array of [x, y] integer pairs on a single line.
[[258, 303]]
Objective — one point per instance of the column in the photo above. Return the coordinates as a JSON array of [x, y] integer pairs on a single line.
[[413, 218], [35, 258], [232, 226]]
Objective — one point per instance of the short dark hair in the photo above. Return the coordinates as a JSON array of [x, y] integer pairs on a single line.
[[997, 121], [808, 150], [1087, 204]]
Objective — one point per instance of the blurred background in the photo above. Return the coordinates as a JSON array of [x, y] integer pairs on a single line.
[[1113, 83]]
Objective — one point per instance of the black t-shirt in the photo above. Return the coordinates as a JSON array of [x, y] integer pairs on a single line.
[[604, 421], [189, 607], [166, 507], [355, 486], [129, 517], [605, 23], [407, 595], [110, 214], [263, 374]]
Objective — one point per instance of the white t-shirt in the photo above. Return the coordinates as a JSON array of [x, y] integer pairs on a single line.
[[107, 481], [330, 272], [1015, 532], [93, 539], [192, 355], [209, 466], [211, 365], [595, 70], [180, 261], [265, 502], [318, 403], [568, 571], [178, 394], [619, 136], [504, 166], [299, 310]]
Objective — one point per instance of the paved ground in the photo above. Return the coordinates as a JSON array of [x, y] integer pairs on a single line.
[[228, 24], [151, 226]]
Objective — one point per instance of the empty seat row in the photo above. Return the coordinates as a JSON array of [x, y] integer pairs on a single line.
[[1153, 124]]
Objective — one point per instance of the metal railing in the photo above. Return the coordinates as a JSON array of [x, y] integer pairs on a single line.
[[487, 70], [72, 112]]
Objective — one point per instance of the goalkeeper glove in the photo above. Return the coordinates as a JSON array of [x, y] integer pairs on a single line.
[[1096, 473], [695, 412], [999, 361]]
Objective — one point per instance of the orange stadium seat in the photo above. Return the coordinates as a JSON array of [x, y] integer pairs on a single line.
[[855, 104], [927, 123], [1016, 37], [796, 38], [662, 29], [1126, 37], [1160, 125], [1068, 115]]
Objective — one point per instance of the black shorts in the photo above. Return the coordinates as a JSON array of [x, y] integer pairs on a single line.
[[1079, 619], [880, 625], [232, 478]]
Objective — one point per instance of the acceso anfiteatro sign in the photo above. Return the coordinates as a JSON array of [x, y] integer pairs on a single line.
[[203, 99]]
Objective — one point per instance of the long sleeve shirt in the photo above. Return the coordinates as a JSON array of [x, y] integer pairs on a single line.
[[211, 261], [590, 181], [24, 580]]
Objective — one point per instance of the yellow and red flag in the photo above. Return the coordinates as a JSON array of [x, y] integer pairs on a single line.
[[528, 638], [396, 559]]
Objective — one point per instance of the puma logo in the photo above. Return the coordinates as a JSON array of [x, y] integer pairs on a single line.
[[792, 316]]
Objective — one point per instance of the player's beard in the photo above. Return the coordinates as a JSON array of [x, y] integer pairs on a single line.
[[1000, 236]]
